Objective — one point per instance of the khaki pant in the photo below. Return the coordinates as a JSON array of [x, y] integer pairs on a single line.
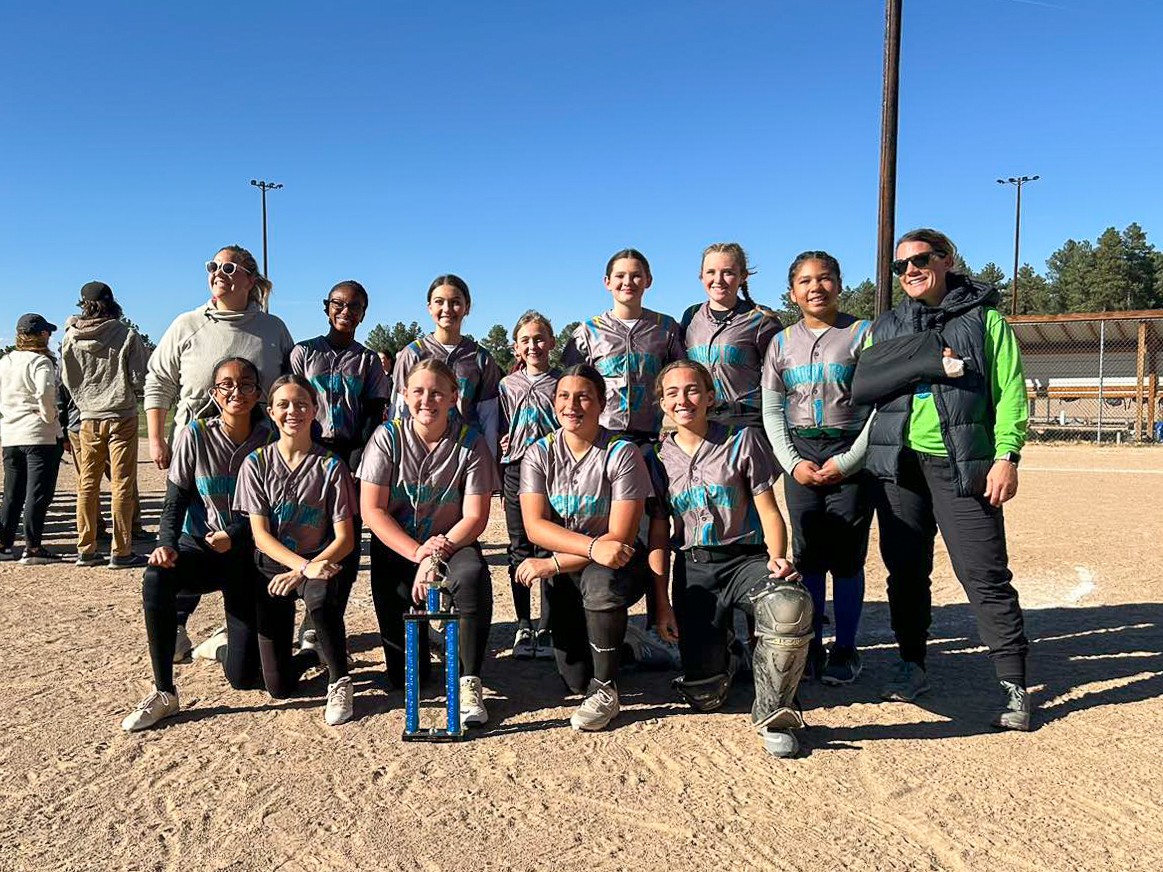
[[111, 442], [102, 527]]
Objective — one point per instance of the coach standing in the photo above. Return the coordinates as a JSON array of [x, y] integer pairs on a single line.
[[945, 447]]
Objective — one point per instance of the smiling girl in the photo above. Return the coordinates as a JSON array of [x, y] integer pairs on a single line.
[[426, 483], [300, 500], [203, 544], [477, 375], [815, 431]]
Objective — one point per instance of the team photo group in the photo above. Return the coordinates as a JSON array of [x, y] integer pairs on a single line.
[[643, 467]]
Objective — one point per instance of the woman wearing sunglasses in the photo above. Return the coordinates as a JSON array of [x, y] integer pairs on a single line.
[[945, 446], [180, 375]]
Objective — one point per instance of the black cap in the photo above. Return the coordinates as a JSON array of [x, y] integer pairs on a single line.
[[95, 291], [33, 323]]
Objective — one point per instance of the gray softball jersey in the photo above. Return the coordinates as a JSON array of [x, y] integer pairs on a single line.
[[710, 495], [477, 374], [428, 487], [630, 359], [302, 505], [527, 410], [345, 378], [582, 492], [815, 374], [733, 350], [207, 461]]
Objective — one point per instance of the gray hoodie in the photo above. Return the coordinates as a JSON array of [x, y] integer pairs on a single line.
[[103, 366]]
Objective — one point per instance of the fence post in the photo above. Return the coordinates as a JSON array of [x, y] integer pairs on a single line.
[[1140, 381], [1101, 361]]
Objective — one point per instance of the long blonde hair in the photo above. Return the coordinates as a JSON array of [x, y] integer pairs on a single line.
[[34, 342]]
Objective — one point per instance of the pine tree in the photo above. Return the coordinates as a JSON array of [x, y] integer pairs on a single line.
[[497, 343], [563, 337]]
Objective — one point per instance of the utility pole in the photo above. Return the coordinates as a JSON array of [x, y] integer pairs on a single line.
[[264, 187], [1017, 182], [888, 131]]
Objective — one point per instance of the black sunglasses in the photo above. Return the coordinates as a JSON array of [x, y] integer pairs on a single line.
[[340, 305], [920, 261]]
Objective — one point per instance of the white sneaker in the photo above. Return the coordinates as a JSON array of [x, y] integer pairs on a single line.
[[339, 702], [155, 707], [213, 647], [780, 743], [598, 708], [182, 644], [472, 703]]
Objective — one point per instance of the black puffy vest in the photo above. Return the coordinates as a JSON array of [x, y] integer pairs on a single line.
[[964, 405]]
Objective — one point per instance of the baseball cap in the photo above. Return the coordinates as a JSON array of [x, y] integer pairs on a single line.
[[33, 323], [95, 291]]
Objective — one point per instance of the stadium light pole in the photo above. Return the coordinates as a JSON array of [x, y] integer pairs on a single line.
[[1017, 182], [888, 133], [264, 187]]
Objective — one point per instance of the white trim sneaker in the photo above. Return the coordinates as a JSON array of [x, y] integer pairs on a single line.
[[598, 708], [472, 703], [524, 647], [213, 647], [158, 706], [340, 702], [182, 644]]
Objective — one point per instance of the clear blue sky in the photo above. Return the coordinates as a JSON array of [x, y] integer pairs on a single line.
[[520, 144]]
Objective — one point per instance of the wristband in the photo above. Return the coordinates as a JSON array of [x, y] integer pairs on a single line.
[[590, 550], [303, 568], [555, 563]]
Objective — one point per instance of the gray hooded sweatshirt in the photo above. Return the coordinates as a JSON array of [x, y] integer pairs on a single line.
[[103, 365]]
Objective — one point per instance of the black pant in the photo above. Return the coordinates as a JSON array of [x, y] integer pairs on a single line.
[[910, 511], [829, 524], [705, 593], [520, 548], [472, 595], [589, 618], [201, 570], [30, 478], [275, 618]]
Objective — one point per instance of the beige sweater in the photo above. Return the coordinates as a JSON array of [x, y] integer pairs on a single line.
[[28, 399]]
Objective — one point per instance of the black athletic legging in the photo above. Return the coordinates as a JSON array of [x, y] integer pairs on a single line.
[[275, 619], [200, 569], [472, 594], [521, 549]]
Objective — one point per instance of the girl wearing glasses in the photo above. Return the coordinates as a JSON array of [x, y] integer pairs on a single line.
[[300, 500], [203, 544], [426, 482], [478, 377], [353, 391], [729, 334], [945, 449], [815, 430]]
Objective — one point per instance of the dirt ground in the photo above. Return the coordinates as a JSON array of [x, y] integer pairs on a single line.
[[239, 781]]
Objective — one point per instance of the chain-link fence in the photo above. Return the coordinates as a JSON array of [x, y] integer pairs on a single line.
[[1093, 377]]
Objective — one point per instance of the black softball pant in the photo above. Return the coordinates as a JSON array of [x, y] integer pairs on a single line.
[[281, 670], [910, 510], [520, 548], [472, 595], [589, 616], [200, 569]]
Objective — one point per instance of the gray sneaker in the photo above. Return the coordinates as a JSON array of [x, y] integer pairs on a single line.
[[1016, 713], [93, 558], [38, 557], [598, 708], [908, 681], [780, 743], [182, 644], [340, 704], [649, 650]]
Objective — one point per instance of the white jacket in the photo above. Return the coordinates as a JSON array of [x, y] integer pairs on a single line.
[[28, 399]]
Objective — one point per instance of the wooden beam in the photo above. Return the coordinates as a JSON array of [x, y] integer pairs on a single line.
[[1135, 315], [1140, 387]]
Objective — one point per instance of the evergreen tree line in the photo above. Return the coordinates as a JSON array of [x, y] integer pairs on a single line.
[[1119, 271]]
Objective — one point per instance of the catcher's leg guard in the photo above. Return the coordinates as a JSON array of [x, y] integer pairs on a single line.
[[705, 694], [783, 626]]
